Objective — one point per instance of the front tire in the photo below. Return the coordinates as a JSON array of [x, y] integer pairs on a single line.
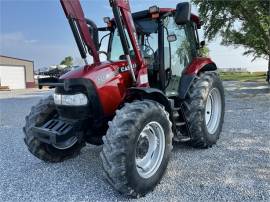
[[42, 112], [204, 109], [137, 147]]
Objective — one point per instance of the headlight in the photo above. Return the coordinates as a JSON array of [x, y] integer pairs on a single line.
[[70, 100]]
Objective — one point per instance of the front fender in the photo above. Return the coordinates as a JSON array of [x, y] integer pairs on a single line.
[[151, 94]]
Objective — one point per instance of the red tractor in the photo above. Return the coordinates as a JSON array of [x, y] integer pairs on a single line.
[[152, 90]]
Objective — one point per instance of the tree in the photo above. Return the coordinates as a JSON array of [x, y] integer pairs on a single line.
[[204, 51], [68, 61], [240, 23]]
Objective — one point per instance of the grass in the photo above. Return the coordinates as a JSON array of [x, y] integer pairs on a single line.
[[243, 76]]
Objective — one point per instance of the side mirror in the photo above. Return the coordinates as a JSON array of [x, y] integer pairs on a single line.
[[171, 37], [183, 13], [202, 43]]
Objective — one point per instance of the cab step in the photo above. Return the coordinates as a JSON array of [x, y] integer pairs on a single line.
[[180, 124], [181, 138]]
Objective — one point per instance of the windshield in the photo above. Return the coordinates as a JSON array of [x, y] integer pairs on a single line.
[[145, 27], [117, 52]]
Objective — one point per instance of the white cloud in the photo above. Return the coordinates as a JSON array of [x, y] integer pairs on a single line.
[[8, 39], [43, 54], [30, 41]]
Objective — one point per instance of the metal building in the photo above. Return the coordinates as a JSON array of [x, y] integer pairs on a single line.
[[16, 73]]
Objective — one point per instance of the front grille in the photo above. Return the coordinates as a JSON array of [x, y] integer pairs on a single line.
[[73, 112], [94, 109]]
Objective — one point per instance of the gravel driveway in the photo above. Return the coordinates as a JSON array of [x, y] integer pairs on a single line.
[[237, 168]]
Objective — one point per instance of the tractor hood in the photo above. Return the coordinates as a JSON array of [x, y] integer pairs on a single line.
[[102, 73], [109, 81]]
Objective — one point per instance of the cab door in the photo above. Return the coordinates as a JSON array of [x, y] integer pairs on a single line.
[[178, 54]]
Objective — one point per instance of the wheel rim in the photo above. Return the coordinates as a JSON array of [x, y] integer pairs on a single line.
[[150, 149], [213, 110]]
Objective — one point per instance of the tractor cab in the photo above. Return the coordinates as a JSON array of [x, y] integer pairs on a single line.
[[167, 48]]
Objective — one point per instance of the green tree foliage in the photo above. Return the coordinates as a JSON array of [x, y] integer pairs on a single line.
[[204, 51], [183, 50], [240, 23], [68, 61]]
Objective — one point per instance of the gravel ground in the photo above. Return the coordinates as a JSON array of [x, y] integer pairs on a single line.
[[236, 169]]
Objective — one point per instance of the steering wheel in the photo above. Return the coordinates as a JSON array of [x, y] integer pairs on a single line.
[[148, 49], [103, 52]]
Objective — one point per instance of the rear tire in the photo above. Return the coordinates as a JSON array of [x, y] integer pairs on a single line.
[[205, 123], [123, 152], [42, 112]]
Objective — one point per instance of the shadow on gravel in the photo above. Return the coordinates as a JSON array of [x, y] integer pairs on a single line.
[[249, 92], [181, 146], [246, 89], [76, 178]]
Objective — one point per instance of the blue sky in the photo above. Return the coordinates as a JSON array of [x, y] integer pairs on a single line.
[[38, 30]]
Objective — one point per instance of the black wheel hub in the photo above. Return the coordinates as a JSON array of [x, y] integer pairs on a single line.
[[142, 147]]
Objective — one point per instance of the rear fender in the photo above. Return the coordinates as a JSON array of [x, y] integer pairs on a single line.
[[200, 64], [191, 72]]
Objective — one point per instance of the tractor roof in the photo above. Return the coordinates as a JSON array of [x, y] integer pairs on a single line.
[[147, 14]]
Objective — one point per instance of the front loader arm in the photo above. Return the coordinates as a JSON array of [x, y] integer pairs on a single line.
[[75, 16], [122, 14]]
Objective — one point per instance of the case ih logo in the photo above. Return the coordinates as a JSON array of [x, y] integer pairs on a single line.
[[126, 68]]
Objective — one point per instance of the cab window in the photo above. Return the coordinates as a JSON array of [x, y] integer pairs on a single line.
[[179, 53], [117, 51]]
